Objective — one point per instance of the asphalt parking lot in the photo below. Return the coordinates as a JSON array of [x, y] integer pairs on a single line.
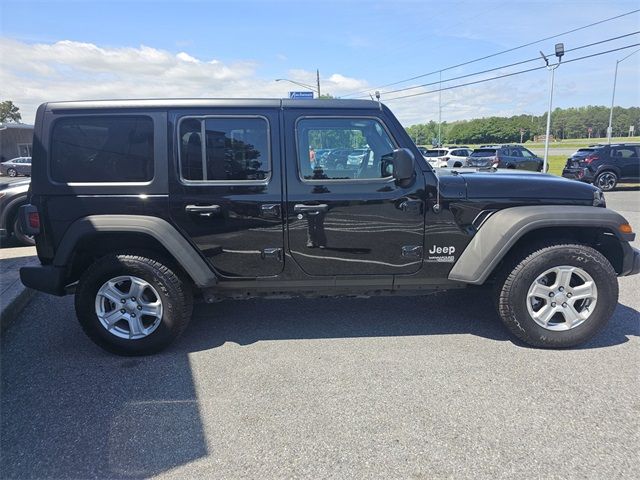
[[427, 387]]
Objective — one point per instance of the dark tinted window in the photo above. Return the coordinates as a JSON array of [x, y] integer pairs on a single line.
[[102, 149], [436, 153], [235, 149], [484, 152]]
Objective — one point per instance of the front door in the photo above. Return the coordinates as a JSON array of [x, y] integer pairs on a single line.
[[349, 218], [227, 192]]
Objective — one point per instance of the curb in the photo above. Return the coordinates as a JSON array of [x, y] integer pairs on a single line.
[[20, 296]]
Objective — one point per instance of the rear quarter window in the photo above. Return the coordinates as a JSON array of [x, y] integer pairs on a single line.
[[102, 149]]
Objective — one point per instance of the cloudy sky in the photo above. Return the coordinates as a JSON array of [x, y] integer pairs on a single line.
[[81, 49]]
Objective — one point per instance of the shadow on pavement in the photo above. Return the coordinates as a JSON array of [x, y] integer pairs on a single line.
[[446, 313], [70, 410], [626, 188]]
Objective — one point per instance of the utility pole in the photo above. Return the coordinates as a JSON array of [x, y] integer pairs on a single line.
[[440, 110], [552, 69], [318, 80], [613, 96]]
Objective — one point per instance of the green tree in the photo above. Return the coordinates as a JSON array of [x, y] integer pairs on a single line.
[[565, 123], [9, 112]]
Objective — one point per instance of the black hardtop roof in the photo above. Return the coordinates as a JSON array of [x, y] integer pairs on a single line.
[[211, 103]]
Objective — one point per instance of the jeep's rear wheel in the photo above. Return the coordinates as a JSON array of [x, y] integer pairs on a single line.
[[132, 305], [558, 296]]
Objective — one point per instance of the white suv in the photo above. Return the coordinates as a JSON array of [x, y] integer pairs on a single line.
[[447, 157]]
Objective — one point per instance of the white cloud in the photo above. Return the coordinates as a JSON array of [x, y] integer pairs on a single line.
[[31, 74], [66, 70]]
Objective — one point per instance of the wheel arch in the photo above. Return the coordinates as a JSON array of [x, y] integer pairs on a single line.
[[510, 231], [94, 236]]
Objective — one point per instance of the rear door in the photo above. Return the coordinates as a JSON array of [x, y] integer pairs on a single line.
[[354, 220], [226, 194], [626, 159]]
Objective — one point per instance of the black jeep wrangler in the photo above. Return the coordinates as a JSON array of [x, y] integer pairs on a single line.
[[138, 206]]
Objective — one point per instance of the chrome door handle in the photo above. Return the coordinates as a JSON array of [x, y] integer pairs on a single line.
[[270, 210], [203, 210], [303, 208]]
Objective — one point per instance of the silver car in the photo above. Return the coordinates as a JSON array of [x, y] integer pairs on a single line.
[[16, 166]]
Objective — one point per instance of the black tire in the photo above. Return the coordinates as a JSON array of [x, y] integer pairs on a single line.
[[606, 181], [518, 275], [20, 236], [175, 294], [12, 172]]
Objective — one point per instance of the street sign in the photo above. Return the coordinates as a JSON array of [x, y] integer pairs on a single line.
[[590, 129], [304, 95]]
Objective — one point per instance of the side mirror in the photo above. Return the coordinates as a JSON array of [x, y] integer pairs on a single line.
[[400, 164]]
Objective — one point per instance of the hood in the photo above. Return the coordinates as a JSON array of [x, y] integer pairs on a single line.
[[508, 184], [525, 185]]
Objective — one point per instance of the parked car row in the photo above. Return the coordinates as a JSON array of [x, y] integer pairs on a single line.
[[16, 166], [603, 165], [487, 156]]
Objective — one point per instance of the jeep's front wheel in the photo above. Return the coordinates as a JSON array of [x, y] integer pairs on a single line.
[[132, 305], [558, 296]]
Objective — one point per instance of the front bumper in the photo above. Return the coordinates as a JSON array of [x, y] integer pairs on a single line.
[[630, 261]]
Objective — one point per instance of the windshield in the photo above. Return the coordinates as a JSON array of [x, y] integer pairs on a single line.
[[484, 152]]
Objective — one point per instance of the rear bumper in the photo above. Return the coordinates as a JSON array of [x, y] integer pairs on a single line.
[[44, 278], [582, 174]]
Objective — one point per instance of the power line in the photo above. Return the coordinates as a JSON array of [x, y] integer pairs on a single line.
[[509, 74], [493, 54], [503, 66]]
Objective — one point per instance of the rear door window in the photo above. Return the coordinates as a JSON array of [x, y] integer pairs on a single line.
[[623, 152], [236, 149], [102, 149]]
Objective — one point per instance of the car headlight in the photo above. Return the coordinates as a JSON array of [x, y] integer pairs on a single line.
[[598, 199]]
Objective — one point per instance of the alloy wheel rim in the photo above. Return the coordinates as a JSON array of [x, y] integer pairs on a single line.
[[606, 181], [128, 307], [562, 298]]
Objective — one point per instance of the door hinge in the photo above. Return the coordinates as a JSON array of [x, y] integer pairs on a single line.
[[412, 251], [272, 253]]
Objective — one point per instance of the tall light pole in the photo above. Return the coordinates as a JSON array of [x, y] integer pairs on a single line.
[[613, 96], [552, 69], [310, 87], [440, 111]]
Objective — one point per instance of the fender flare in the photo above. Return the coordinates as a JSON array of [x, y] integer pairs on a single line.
[[504, 228], [161, 230]]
